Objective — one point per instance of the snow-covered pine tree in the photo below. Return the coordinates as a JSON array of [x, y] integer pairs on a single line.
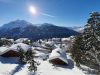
[[29, 54], [30, 59], [21, 54], [86, 47], [76, 50], [1, 43], [32, 66], [6, 42], [91, 40]]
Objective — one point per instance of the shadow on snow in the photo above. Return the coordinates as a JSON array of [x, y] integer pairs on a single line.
[[9, 60], [17, 69]]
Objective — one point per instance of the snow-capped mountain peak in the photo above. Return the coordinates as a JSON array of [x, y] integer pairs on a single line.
[[16, 23]]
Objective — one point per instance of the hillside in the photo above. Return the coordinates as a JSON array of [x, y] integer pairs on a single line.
[[21, 28]]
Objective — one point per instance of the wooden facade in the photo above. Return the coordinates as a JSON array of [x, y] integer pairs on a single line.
[[10, 53], [57, 61]]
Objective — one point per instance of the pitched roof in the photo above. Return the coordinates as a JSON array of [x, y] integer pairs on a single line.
[[14, 47], [3, 50], [58, 53]]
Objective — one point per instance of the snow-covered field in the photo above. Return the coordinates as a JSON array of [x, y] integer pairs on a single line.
[[46, 68], [11, 66]]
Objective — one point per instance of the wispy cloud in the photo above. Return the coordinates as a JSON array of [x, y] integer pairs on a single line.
[[48, 15]]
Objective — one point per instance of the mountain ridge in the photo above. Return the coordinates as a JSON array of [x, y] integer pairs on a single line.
[[21, 28]]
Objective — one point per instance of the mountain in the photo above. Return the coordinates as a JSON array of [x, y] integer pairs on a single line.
[[17, 23], [21, 28]]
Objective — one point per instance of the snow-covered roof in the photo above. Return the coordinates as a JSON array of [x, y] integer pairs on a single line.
[[58, 53], [36, 44], [3, 50], [20, 40], [12, 40], [49, 42], [41, 54], [14, 47], [41, 49], [64, 39], [55, 38]]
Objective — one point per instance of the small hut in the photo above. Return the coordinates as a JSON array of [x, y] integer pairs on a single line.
[[13, 50], [58, 57]]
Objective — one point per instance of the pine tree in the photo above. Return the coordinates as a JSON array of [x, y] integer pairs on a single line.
[[30, 59], [29, 54], [91, 40], [21, 54], [6, 42], [32, 66], [1, 43], [76, 50], [86, 48]]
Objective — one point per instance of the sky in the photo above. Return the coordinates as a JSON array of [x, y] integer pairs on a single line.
[[66, 13]]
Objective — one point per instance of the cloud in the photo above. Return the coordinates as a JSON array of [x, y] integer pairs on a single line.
[[48, 15]]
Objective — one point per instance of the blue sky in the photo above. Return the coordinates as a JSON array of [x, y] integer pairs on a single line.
[[66, 12]]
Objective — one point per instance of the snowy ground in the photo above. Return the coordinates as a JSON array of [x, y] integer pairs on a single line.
[[10, 66], [48, 69]]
